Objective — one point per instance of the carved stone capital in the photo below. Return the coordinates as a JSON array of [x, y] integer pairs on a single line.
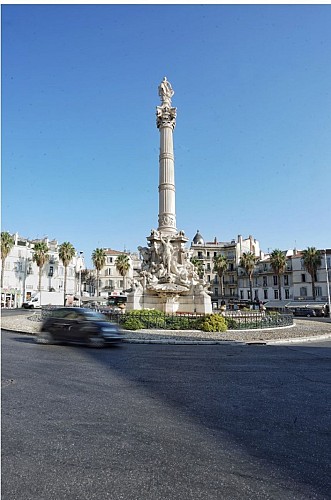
[[165, 116]]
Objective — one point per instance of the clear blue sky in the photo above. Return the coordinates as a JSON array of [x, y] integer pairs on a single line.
[[253, 136]]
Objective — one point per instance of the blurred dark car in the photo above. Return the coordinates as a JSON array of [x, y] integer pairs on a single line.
[[78, 326], [303, 311]]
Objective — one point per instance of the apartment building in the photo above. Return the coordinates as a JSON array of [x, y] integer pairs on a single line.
[[21, 274], [206, 251], [111, 282]]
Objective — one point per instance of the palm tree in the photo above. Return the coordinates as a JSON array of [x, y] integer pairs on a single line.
[[248, 261], [220, 266], [99, 260], [198, 264], [7, 243], [66, 254], [122, 264], [278, 264], [40, 257], [311, 262]]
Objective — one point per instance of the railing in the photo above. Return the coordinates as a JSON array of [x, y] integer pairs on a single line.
[[192, 321], [247, 321], [236, 321], [161, 321]]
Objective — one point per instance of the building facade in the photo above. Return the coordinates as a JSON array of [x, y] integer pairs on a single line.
[[111, 282], [295, 283], [206, 251], [21, 273]]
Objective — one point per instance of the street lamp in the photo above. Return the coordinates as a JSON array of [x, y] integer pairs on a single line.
[[80, 262], [327, 283]]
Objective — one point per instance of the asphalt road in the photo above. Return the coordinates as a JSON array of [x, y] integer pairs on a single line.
[[166, 422]]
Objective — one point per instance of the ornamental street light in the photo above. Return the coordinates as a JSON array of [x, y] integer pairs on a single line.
[[79, 267]]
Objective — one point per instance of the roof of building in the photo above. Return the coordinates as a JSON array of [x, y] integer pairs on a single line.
[[109, 251], [198, 239]]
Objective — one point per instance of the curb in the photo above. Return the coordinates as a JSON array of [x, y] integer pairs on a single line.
[[300, 339], [208, 342]]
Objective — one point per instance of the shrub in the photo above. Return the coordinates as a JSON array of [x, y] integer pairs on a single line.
[[213, 323], [177, 323], [149, 318], [132, 323], [231, 323]]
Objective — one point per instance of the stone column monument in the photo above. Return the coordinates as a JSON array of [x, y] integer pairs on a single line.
[[166, 122], [168, 280]]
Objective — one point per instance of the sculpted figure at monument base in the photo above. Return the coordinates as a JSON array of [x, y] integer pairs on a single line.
[[168, 280]]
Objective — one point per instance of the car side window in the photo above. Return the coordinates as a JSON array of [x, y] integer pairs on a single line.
[[72, 315]]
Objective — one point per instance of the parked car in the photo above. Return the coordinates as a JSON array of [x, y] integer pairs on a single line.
[[78, 326], [304, 311]]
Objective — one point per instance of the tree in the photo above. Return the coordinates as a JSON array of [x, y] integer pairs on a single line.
[[66, 254], [99, 260], [7, 243], [248, 261], [122, 264], [311, 262], [198, 264], [40, 257], [220, 266], [278, 264]]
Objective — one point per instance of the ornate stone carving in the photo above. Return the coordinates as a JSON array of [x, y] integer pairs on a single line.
[[166, 116], [166, 264], [167, 220]]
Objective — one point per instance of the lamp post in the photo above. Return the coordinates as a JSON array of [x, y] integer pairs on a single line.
[[327, 283], [80, 278]]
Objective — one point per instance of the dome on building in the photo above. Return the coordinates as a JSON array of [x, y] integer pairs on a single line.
[[198, 239]]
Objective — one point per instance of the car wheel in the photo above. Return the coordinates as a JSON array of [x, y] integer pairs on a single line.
[[96, 341], [44, 338]]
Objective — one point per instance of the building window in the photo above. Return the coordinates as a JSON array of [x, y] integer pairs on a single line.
[[215, 254], [109, 260], [303, 277], [303, 291], [231, 267], [208, 278], [275, 280], [248, 294], [286, 280], [232, 292], [287, 293], [256, 295], [208, 254], [265, 281], [199, 255], [216, 292], [276, 294], [51, 271], [318, 291], [265, 294], [208, 266], [241, 295]]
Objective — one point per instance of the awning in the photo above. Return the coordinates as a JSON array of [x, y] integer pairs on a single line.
[[277, 304], [305, 304]]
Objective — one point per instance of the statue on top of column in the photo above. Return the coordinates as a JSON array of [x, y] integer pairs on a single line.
[[165, 92]]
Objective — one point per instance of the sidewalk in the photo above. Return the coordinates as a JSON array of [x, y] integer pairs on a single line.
[[302, 329]]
